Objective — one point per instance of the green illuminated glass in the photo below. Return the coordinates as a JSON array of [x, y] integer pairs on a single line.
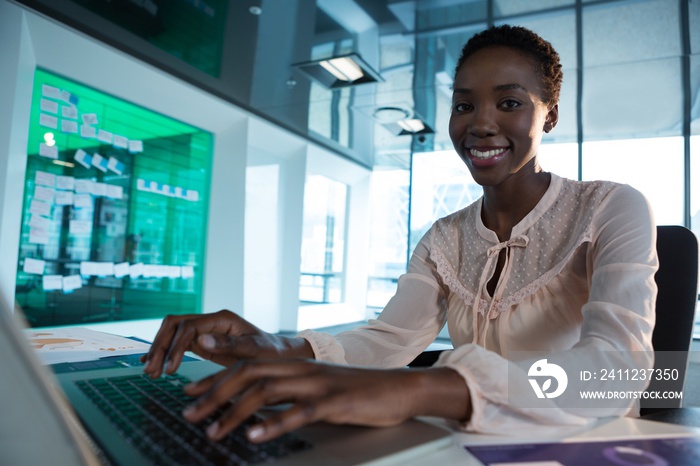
[[119, 238]]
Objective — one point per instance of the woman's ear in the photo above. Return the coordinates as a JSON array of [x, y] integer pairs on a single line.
[[552, 118]]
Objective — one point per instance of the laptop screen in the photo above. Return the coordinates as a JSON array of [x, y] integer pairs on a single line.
[[36, 423]]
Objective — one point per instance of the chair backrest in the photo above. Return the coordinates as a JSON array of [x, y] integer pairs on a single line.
[[677, 280]]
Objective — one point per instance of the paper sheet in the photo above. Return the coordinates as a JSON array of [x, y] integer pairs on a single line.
[[80, 344]]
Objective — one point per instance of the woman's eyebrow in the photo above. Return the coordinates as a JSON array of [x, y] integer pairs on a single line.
[[499, 87], [509, 87]]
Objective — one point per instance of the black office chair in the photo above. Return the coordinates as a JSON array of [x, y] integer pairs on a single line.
[[677, 280]]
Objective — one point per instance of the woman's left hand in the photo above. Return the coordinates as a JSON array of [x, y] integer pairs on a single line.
[[323, 392]]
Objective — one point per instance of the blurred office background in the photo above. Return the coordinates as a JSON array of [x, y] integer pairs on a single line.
[[311, 191]]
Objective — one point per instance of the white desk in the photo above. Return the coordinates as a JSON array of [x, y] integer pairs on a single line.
[[607, 429]]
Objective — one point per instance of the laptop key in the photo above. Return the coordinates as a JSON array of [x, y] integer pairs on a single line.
[[147, 413]]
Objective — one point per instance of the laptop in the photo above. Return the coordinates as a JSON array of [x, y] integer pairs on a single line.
[[60, 419]]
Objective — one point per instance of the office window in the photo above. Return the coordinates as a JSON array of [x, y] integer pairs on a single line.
[[651, 32], [323, 241], [653, 166], [388, 235], [515, 7], [693, 20], [441, 184], [695, 181], [633, 100], [114, 213], [632, 75], [451, 14], [561, 159], [695, 206]]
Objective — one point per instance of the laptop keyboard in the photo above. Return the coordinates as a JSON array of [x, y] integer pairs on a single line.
[[147, 412]]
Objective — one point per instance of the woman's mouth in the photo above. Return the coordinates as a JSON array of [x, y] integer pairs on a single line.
[[486, 154], [486, 158]]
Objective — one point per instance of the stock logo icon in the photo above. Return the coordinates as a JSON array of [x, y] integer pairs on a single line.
[[542, 370]]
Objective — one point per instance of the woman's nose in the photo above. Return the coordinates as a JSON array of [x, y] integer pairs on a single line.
[[483, 123]]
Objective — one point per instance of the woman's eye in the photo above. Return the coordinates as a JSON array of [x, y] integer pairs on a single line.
[[461, 107], [510, 103]]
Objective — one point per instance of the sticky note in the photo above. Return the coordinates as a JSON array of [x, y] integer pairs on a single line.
[[48, 121], [34, 266], [45, 178], [99, 162], [83, 158], [52, 282]]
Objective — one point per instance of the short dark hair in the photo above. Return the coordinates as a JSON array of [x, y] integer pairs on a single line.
[[524, 40]]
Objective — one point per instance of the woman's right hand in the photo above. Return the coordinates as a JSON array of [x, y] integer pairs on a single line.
[[222, 337]]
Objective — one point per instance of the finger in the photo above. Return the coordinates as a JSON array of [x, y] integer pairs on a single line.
[[156, 355], [302, 413], [218, 390], [231, 383], [264, 392], [298, 389], [184, 335], [202, 386], [187, 331], [250, 401]]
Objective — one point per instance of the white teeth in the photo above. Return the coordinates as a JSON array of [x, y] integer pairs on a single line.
[[486, 154]]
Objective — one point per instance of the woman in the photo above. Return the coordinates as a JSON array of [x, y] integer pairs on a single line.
[[538, 264]]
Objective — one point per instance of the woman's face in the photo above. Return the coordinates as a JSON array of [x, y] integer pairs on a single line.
[[498, 115]]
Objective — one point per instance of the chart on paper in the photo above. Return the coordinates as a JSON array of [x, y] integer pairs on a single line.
[[80, 344]]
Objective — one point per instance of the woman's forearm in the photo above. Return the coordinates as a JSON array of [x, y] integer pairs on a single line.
[[295, 347], [440, 392]]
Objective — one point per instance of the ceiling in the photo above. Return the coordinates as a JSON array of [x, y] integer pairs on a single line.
[[245, 52]]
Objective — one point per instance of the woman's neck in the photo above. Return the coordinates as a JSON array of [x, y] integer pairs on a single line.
[[504, 206]]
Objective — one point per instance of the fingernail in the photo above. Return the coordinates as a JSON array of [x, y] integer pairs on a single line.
[[207, 341], [188, 411], [213, 429], [255, 432]]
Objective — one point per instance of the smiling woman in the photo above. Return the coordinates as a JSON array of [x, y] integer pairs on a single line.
[[540, 268]]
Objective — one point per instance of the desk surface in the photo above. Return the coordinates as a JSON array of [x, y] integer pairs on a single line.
[[607, 429]]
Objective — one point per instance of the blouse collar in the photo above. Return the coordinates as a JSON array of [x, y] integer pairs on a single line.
[[549, 197]]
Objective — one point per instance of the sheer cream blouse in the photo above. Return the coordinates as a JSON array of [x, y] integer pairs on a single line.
[[578, 282]]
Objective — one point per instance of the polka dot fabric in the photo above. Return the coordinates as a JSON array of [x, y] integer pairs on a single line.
[[465, 251]]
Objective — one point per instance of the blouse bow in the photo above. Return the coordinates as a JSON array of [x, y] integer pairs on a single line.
[[519, 241]]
